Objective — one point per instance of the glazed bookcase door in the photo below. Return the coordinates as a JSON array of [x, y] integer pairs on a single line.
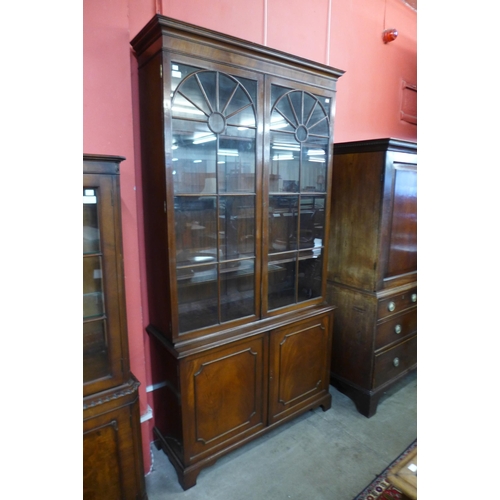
[[214, 145], [102, 320], [298, 147]]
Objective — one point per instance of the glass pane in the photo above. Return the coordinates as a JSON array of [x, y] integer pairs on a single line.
[[277, 92], [95, 357], [310, 275], [295, 100], [194, 155], [310, 103], [305, 238], [92, 287], [240, 109], [316, 205], [179, 72], [194, 90], [313, 168], [237, 289], [236, 160], [285, 162], [237, 227], [182, 108], [94, 337], [283, 223], [281, 280], [195, 229], [282, 117], [197, 296], [91, 243], [317, 122], [326, 103]]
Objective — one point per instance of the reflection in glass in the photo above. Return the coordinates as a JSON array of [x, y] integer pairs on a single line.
[[213, 163], [236, 160], [237, 227], [310, 275], [298, 164], [91, 238], [197, 296], [281, 280], [285, 157], [313, 168], [299, 112], [94, 337], [220, 98], [237, 289], [195, 229], [194, 157], [92, 287], [95, 355], [283, 222]]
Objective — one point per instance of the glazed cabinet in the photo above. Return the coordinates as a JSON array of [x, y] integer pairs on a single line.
[[236, 144], [372, 267], [112, 452]]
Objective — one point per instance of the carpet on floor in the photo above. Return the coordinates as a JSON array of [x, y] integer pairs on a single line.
[[379, 488]]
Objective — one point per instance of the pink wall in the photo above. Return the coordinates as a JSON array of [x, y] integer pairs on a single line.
[[343, 34]]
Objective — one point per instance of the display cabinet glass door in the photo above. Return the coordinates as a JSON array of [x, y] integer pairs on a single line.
[[95, 351], [213, 147], [299, 148], [102, 349]]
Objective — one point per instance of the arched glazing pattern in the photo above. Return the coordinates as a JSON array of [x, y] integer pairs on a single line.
[[214, 167], [299, 146]]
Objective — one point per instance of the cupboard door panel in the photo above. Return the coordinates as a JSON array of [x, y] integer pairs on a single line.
[[101, 478], [403, 239], [298, 366], [112, 464], [225, 396]]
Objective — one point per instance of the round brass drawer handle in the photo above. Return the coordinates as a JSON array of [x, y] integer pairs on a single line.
[[395, 362], [413, 297], [391, 306], [397, 329]]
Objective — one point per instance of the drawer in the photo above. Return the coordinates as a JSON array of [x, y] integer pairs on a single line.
[[395, 328], [396, 303], [391, 363]]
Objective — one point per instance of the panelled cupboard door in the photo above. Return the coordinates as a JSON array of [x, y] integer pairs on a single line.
[[110, 450], [401, 217], [225, 396], [299, 366]]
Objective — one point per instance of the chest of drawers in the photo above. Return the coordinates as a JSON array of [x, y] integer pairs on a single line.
[[376, 342], [372, 267]]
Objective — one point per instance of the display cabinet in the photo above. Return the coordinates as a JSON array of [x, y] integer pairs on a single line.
[[236, 161], [372, 267], [112, 452]]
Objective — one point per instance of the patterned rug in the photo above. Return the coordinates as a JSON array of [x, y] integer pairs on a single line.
[[380, 489]]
